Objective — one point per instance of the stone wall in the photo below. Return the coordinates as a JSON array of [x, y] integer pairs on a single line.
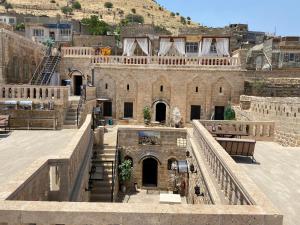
[[285, 112], [181, 88], [168, 148], [60, 178], [94, 41], [19, 57], [273, 87]]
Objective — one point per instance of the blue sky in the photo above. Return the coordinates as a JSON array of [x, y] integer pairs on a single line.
[[261, 15]]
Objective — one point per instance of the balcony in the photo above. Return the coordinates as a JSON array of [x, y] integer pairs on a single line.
[[180, 61]]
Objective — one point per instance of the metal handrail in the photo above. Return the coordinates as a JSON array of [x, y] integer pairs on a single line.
[[38, 70], [115, 167], [80, 104]]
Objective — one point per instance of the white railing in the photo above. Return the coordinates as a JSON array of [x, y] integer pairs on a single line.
[[167, 60], [35, 93], [88, 52], [77, 52]]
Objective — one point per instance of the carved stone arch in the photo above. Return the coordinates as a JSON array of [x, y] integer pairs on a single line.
[[106, 87], [221, 92], [161, 89]]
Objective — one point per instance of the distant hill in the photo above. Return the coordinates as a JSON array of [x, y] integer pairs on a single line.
[[149, 9]]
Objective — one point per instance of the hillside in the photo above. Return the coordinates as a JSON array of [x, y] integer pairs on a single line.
[[149, 9]]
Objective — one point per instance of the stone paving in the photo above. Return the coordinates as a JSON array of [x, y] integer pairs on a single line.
[[21, 148], [277, 173]]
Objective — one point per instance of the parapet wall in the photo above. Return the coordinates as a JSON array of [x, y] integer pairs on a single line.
[[57, 179], [285, 112]]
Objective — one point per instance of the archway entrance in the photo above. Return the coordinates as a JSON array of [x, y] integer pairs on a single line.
[[77, 81], [150, 172], [160, 112]]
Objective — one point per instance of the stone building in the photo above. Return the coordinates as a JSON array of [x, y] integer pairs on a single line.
[[19, 57]]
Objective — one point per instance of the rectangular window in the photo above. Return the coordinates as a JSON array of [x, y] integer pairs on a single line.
[[65, 32], [213, 48], [107, 109], [128, 109], [286, 57], [192, 47], [38, 32], [292, 57], [11, 20], [195, 112], [297, 57]]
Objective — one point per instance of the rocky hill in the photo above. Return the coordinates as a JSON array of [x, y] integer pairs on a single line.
[[149, 9]]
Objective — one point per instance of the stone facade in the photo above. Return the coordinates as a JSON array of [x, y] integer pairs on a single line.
[[178, 87], [19, 57], [285, 112], [172, 145]]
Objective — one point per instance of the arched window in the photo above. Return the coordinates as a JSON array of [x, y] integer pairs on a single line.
[[127, 157], [127, 87], [106, 86], [197, 89], [170, 162], [161, 88], [220, 90]]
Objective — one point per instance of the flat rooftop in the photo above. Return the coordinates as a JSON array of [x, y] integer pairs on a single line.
[[21, 148], [277, 174]]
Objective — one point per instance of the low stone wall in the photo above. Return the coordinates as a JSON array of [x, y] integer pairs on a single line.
[[60, 178], [285, 112]]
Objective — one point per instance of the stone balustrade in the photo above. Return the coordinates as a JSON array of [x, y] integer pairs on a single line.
[[35, 93], [88, 52], [259, 130], [167, 61], [77, 51], [229, 184]]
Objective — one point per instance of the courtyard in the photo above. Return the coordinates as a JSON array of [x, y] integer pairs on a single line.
[[276, 172]]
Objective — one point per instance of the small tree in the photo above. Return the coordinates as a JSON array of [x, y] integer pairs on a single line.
[[147, 114], [172, 14], [76, 5], [7, 6], [132, 18], [95, 26], [182, 20], [125, 171], [66, 10], [108, 5], [229, 113], [20, 26]]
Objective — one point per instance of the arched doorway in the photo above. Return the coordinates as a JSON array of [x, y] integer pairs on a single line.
[[160, 112], [150, 172], [77, 81]]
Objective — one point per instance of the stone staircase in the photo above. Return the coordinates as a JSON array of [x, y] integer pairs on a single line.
[[70, 121], [103, 163]]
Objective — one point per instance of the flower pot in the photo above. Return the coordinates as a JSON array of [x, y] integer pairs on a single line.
[[123, 188]]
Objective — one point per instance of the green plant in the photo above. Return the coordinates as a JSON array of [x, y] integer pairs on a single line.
[[95, 26], [108, 5], [229, 113], [147, 113], [125, 171], [20, 26], [133, 10], [76, 5], [188, 18], [132, 18], [182, 20], [66, 10], [7, 6], [172, 14]]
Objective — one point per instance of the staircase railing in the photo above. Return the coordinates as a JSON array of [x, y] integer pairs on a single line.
[[54, 61], [80, 104], [38, 71], [115, 170]]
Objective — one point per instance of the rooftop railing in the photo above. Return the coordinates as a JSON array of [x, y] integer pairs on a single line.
[[34, 93], [206, 61]]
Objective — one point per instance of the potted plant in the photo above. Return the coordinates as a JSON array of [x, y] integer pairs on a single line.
[[147, 115], [125, 171], [229, 113]]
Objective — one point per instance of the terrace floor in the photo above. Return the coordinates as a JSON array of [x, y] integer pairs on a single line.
[[21, 148], [277, 173]]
